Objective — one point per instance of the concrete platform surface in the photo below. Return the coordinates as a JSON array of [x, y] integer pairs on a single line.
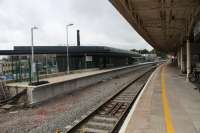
[[72, 76], [169, 104], [63, 77]]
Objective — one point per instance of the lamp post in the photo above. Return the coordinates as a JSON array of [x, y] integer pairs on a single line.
[[67, 27], [32, 53]]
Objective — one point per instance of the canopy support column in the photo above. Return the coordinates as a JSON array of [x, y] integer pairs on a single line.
[[188, 59], [178, 59], [182, 61]]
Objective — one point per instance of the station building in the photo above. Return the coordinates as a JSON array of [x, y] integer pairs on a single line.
[[52, 59]]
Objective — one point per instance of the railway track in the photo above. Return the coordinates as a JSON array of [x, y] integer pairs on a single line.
[[109, 116]]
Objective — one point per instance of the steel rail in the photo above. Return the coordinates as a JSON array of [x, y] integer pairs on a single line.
[[109, 115]]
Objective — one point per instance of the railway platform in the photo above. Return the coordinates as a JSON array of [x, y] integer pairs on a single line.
[[69, 83], [168, 104]]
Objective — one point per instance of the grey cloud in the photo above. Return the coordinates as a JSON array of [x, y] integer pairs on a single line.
[[99, 22]]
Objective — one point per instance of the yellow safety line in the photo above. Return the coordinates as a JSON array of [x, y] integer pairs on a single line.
[[166, 107]]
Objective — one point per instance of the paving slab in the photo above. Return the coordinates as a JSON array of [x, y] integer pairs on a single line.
[[183, 101]]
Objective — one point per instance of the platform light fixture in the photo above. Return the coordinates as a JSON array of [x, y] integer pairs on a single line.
[[32, 53], [67, 28]]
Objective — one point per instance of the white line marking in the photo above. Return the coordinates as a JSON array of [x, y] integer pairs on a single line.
[[128, 118]]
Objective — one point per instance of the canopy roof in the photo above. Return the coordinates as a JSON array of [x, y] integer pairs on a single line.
[[164, 24], [73, 50]]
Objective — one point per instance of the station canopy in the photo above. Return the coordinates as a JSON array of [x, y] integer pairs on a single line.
[[73, 50], [164, 24]]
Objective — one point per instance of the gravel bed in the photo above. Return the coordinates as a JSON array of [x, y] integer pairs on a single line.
[[62, 111]]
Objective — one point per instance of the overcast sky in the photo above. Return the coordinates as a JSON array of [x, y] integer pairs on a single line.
[[99, 23]]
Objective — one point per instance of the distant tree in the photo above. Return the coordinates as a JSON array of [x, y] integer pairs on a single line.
[[158, 53], [153, 51], [144, 51], [134, 50]]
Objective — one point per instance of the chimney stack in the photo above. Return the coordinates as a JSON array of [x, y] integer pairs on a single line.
[[78, 38]]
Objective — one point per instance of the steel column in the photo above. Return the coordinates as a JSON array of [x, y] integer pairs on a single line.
[[182, 61], [178, 58], [188, 59]]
